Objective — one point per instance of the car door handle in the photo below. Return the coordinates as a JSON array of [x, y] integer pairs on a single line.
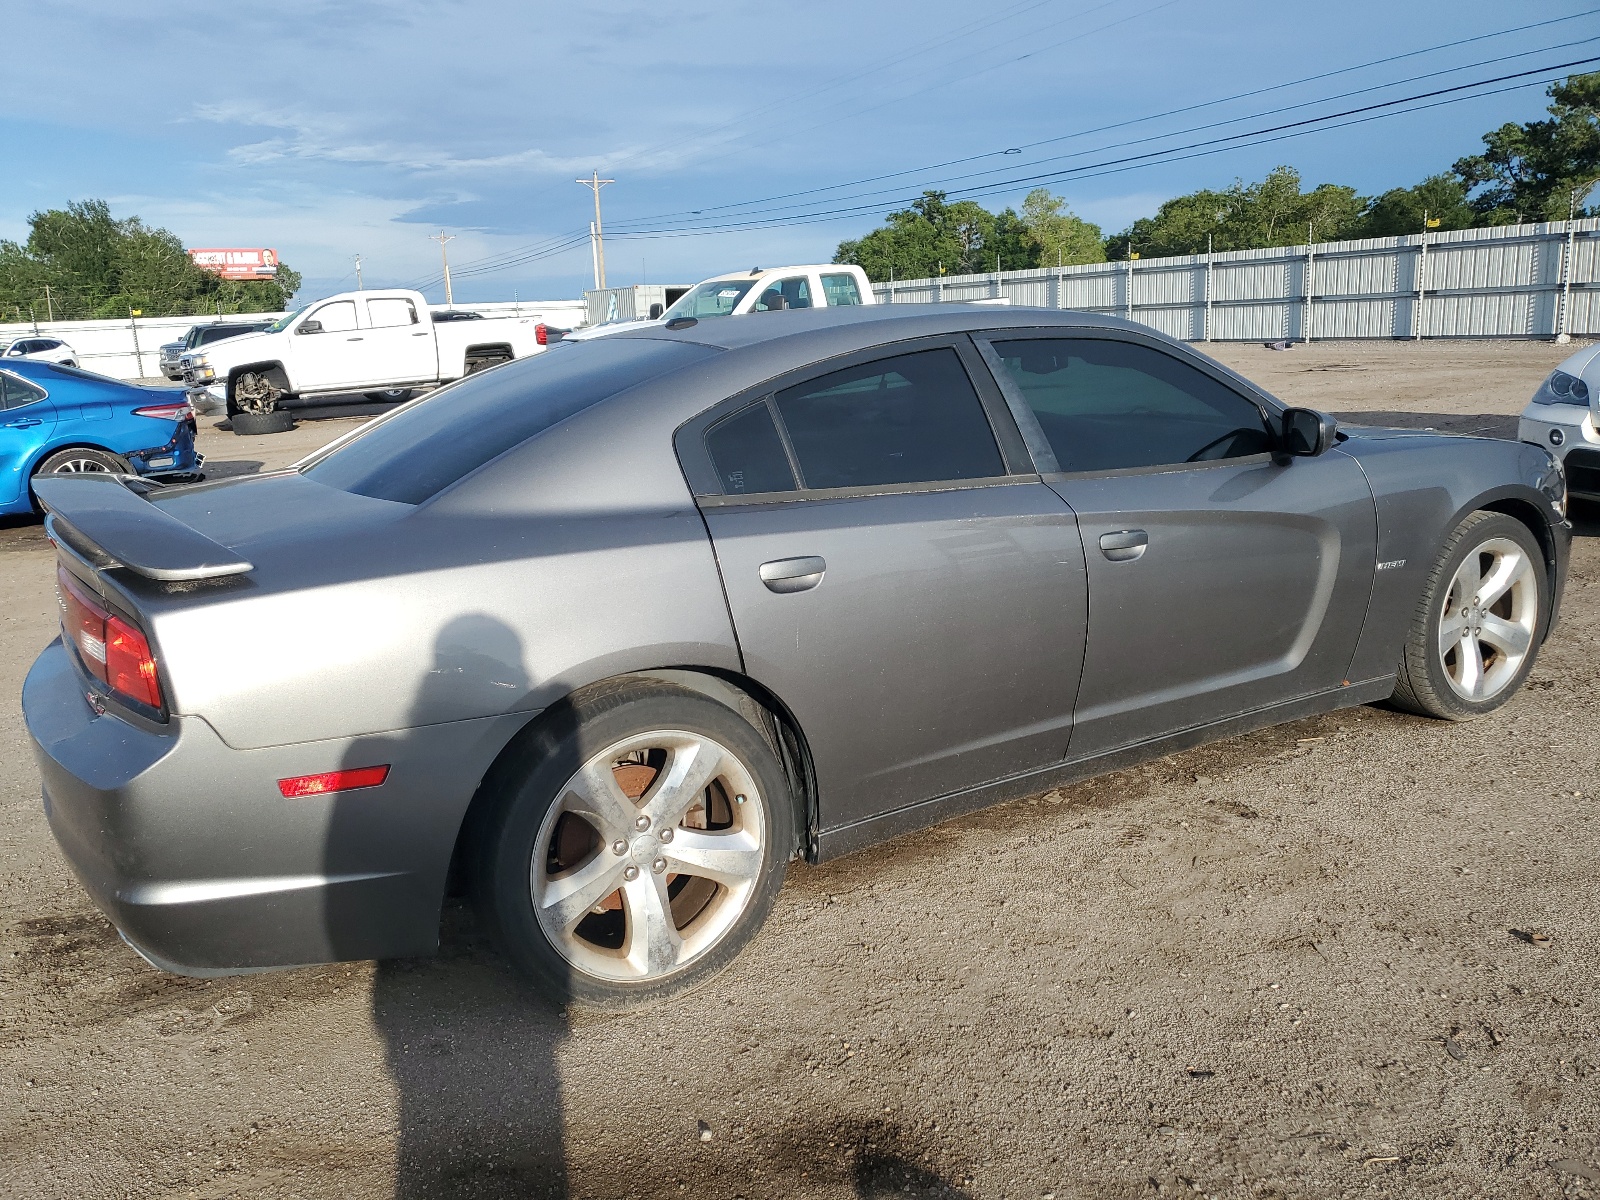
[[1124, 545], [784, 575], [25, 423], [424, 333], [355, 339]]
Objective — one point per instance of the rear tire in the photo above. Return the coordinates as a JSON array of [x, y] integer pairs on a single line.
[[247, 424], [391, 395], [84, 460], [620, 929], [1476, 630]]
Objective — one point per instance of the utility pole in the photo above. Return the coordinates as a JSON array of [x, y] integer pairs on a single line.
[[49, 305], [359, 288], [442, 238], [597, 231]]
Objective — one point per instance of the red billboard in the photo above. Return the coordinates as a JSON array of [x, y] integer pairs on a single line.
[[237, 264]]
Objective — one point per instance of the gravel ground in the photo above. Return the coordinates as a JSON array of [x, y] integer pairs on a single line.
[[1293, 964]]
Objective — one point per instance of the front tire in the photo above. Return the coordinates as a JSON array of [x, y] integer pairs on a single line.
[[391, 395], [1476, 631], [635, 843]]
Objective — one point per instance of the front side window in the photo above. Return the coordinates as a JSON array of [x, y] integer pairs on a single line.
[[840, 289], [388, 313], [14, 392], [748, 454], [784, 293], [1106, 405], [715, 298], [338, 317], [914, 418]]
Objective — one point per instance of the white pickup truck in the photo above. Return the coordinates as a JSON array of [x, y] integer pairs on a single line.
[[763, 289], [382, 343]]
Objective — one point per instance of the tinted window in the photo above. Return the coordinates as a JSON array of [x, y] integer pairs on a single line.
[[840, 289], [14, 392], [748, 454], [910, 419], [80, 373], [428, 445], [1107, 405], [784, 293]]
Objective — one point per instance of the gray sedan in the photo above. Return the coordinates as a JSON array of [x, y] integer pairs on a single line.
[[610, 635]]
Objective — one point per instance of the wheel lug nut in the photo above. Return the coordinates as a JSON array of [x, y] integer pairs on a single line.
[[659, 865], [619, 847], [630, 873], [642, 824], [666, 835], [738, 799]]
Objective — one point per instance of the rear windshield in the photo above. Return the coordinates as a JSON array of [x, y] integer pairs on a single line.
[[428, 445]]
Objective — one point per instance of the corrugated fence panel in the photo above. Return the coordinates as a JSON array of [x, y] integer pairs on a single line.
[[1505, 283]]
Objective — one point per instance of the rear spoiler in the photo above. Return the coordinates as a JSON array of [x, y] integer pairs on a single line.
[[110, 515]]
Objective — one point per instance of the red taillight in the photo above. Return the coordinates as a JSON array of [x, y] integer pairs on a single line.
[[333, 781], [541, 334], [112, 650], [166, 412]]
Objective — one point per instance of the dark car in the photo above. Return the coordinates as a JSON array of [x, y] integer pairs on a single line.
[[203, 335], [614, 632]]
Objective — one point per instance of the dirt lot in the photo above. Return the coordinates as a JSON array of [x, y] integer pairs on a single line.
[[1288, 965]]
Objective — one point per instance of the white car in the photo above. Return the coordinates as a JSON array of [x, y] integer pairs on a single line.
[[381, 344], [1562, 416], [757, 290], [43, 349]]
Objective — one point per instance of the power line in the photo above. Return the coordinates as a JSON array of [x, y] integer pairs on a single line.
[[1153, 158], [1136, 120], [623, 226]]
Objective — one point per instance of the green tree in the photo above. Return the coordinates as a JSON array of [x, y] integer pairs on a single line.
[[1439, 200], [1274, 212], [934, 236], [80, 262], [1061, 238], [1533, 171]]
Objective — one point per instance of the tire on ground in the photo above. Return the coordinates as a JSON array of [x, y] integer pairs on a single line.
[[533, 775], [1424, 684], [390, 395], [248, 424]]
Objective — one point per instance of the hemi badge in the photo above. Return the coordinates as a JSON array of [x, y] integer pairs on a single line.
[[1392, 565]]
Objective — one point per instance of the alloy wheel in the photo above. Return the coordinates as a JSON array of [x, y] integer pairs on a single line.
[[649, 854], [1487, 624]]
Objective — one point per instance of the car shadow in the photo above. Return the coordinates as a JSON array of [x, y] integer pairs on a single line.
[[471, 1046], [1495, 425]]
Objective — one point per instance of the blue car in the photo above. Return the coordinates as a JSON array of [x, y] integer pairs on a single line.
[[56, 418]]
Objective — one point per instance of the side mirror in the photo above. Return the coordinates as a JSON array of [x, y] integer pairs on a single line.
[[1306, 432], [309, 327], [773, 301], [656, 310]]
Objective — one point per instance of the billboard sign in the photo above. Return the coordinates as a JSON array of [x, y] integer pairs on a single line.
[[237, 264]]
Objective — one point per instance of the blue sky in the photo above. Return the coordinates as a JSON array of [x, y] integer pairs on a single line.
[[328, 129]]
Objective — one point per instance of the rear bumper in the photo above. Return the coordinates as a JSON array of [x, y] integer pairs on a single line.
[[187, 846]]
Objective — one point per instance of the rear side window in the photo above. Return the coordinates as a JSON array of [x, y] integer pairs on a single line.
[[426, 446], [14, 392], [1106, 405], [914, 418], [387, 313], [840, 289], [748, 453]]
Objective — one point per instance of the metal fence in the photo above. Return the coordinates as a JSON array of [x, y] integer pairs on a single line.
[[130, 347], [1518, 281]]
